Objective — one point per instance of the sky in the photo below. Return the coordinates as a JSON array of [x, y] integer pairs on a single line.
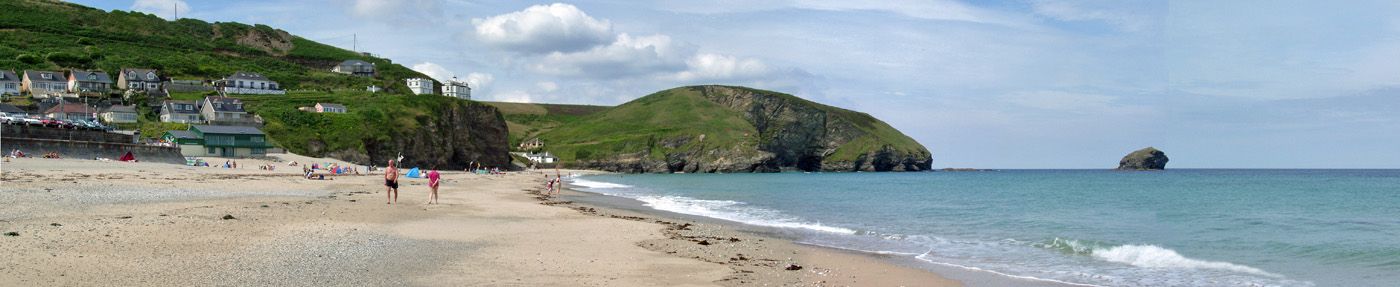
[[982, 84]]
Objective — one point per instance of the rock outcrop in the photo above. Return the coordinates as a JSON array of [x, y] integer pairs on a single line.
[[1144, 159], [462, 133]]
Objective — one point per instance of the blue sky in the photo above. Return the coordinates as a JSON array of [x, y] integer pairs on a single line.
[[987, 84]]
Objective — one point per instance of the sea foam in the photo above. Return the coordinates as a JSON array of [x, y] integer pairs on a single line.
[[733, 211], [597, 184], [1152, 256]]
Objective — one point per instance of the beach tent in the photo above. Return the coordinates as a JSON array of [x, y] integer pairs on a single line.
[[414, 173], [127, 157]]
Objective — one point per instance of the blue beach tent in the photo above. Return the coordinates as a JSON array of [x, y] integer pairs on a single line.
[[414, 173]]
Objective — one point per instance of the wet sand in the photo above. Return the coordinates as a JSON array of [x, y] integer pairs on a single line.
[[87, 223]]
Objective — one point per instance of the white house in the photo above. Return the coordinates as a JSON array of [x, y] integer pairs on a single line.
[[373, 89], [250, 83], [330, 108], [9, 83], [119, 114], [541, 157], [355, 67], [457, 89], [41, 83], [420, 86], [185, 112], [138, 79]]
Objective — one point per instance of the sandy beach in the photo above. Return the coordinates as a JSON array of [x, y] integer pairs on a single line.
[[86, 223]]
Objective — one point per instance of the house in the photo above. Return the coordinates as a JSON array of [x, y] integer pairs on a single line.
[[229, 141], [39, 83], [9, 83], [118, 114], [70, 111], [457, 89], [531, 144], [138, 79], [249, 83], [420, 86], [89, 82], [185, 112], [190, 145], [9, 110], [355, 67], [216, 109], [541, 157], [330, 108]]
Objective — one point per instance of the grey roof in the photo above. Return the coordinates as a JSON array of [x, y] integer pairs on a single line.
[[240, 130], [167, 105], [120, 109], [34, 75], [7, 75], [225, 104], [140, 73], [183, 134], [11, 109], [241, 75], [82, 76], [330, 105]]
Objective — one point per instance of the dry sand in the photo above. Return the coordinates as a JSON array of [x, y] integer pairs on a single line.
[[87, 223]]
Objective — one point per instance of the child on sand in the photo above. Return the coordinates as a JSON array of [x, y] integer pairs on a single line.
[[433, 180]]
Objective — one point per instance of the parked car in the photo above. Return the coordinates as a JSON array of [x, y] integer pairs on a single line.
[[32, 122], [8, 120]]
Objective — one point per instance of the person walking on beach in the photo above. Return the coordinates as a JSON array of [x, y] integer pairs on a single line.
[[433, 180], [391, 183]]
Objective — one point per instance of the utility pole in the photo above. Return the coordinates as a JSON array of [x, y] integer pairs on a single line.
[[177, 9], [355, 42]]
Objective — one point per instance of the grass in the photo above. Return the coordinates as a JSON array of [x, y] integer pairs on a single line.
[[527, 121]]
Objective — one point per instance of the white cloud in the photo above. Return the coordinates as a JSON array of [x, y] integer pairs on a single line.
[[544, 28], [161, 8], [715, 66], [433, 70], [626, 57], [1076, 103], [479, 81], [937, 10], [397, 11]]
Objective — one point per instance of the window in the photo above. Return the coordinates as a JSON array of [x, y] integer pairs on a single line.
[[256, 139], [211, 150], [131, 75], [46, 76], [92, 77], [151, 76]]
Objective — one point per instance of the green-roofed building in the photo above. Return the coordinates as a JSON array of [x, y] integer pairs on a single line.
[[220, 141]]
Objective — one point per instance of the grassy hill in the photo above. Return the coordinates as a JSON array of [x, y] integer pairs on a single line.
[[528, 120], [722, 128], [53, 35]]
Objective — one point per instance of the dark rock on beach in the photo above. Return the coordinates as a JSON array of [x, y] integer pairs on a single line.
[[1144, 159]]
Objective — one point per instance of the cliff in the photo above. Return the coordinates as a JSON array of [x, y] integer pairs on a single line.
[[1144, 159], [732, 129]]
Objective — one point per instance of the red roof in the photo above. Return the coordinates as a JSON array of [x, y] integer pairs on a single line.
[[70, 108]]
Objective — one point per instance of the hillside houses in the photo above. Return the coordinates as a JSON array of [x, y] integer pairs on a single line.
[[249, 83], [356, 68], [44, 83], [9, 83], [420, 86], [118, 114], [185, 112], [89, 82], [330, 108], [223, 110], [139, 79], [457, 89], [70, 111]]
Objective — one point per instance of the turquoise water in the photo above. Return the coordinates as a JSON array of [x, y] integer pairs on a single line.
[[1171, 228]]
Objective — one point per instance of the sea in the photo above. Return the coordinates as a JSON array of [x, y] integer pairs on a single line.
[[1179, 227]]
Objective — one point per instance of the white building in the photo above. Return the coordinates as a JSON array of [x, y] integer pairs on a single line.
[[420, 86], [457, 89], [541, 157], [250, 83]]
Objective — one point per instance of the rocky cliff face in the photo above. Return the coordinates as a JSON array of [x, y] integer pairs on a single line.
[[463, 133], [1144, 159], [792, 134]]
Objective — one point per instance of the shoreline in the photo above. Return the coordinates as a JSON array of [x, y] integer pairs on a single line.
[[84, 222], [754, 257], [605, 205]]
